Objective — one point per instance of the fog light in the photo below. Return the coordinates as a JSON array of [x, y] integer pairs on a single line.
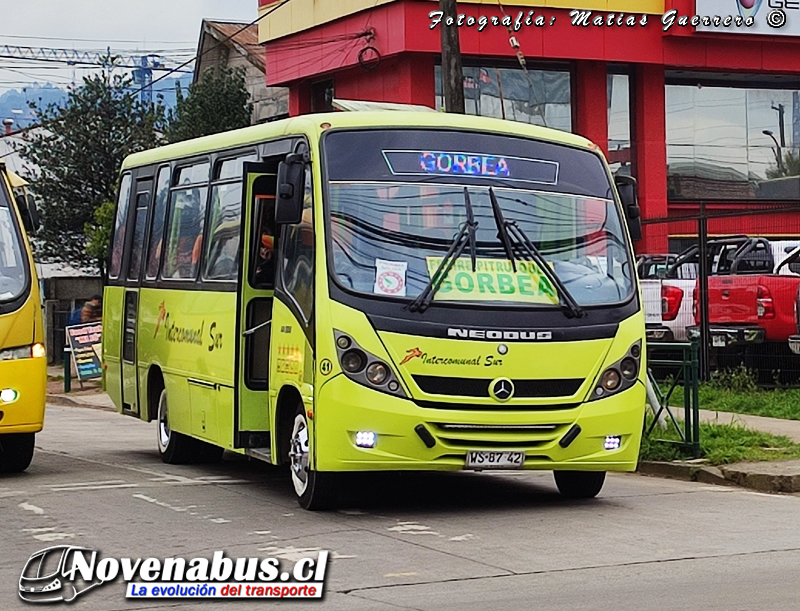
[[612, 442], [377, 373], [353, 361], [8, 395], [365, 439], [393, 386], [610, 380]]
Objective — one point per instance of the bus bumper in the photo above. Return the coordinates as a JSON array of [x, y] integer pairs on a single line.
[[28, 378], [344, 408]]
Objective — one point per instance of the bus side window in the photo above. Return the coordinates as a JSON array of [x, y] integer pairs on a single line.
[[297, 271], [139, 225], [157, 227], [119, 226], [186, 218], [263, 257], [222, 252]]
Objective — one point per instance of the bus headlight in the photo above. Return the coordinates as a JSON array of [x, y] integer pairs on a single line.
[[377, 373], [353, 361], [10, 354], [38, 351], [365, 368], [621, 375], [610, 379]]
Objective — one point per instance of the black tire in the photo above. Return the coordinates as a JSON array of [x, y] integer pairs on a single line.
[[174, 448], [579, 484], [315, 491], [16, 452]]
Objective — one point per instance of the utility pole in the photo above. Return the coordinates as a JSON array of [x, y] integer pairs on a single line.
[[452, 70]]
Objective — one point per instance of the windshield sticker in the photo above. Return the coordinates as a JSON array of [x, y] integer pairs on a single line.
[[493, 280], [474, 165], [390, 278]]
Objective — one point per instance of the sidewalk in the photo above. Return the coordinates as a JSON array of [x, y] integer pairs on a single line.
[[771, 476]]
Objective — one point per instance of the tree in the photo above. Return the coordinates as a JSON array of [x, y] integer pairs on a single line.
[[790, 166], [78, 153], [218, 102]]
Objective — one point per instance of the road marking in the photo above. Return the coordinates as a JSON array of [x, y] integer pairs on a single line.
[[49, 537], [411, 574], [413, 528], [262, 532], [294, 554], [466, 537], [33, 508], [178, 509], [38, 530], [180, 480], [81, 486]]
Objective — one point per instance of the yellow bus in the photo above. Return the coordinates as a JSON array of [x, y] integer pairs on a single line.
[[23, 362], [361, 291]]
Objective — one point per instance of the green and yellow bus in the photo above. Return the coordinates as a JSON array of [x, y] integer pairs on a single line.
[[361, 291], [23, 361]]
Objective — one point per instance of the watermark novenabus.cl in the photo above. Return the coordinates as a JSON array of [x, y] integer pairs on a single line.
[[64, 572]]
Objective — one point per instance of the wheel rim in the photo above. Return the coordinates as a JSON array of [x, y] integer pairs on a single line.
[[164, 432], [298, 454]]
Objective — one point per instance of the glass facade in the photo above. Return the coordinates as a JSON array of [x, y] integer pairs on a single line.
[[539, 97], [732, 141]]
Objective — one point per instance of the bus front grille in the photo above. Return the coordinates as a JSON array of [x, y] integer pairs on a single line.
[[479, 387], [496, 436]]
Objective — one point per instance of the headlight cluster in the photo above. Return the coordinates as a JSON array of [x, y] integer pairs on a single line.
[[621, 375], [23, 352], [365, 368]]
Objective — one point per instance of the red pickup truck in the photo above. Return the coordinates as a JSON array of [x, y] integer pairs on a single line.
[[753, 308]]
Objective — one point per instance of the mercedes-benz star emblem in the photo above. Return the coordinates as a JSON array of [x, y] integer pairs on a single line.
[[501, 389]]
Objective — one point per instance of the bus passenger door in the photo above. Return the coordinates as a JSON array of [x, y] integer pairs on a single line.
[[130, 314], [257, 282]]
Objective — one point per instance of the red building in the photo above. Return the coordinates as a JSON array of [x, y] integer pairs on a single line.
[[699, 113]]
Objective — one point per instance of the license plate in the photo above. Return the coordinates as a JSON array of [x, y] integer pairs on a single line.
[[494, 460], [718, 341]]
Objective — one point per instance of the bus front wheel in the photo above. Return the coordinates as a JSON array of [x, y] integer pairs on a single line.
[[16, 452], [173, 447], [579, 484], [314, 490]]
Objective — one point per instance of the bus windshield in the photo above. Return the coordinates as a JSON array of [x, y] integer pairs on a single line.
[[13, 263], [391, 226]]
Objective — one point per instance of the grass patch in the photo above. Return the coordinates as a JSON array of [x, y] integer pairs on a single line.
[[735, 390], [720, 444]]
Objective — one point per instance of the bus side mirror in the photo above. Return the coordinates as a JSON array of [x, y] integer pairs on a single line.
[[291, 190], [626, 187], [28, 212]]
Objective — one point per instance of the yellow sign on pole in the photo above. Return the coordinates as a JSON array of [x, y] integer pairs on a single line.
[[494, 280]]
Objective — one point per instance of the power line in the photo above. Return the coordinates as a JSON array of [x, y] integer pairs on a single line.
[[177, 68], [104, 40]]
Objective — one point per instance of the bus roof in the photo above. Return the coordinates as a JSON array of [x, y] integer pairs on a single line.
[[310, 124]]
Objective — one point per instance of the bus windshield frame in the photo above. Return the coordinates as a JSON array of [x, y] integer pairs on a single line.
[[535, 183], [13, 256]]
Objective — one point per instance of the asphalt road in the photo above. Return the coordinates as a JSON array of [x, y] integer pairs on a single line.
[[400, 541]]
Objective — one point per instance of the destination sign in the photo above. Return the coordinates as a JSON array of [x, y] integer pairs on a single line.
[[474, 165]]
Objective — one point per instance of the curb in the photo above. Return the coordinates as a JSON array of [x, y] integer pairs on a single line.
[[65, 401], [686, 471], [763, 477]]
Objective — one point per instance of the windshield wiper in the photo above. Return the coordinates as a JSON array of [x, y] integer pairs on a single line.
[[466, 235], [511, 235]]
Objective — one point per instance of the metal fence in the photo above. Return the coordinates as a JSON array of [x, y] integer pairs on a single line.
[[730, 281]]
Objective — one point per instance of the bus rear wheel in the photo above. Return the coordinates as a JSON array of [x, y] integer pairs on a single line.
[[579, 484], [174, 448], [16, 452], [314, 490]]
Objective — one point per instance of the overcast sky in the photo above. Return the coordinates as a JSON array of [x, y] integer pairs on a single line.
[[124, 25]]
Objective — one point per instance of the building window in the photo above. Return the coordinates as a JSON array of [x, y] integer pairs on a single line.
[[732, 139], [540, 97], [620, 152]]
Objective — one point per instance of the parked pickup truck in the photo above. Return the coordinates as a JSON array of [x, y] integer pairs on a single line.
[[754, 308], [667, 288]]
